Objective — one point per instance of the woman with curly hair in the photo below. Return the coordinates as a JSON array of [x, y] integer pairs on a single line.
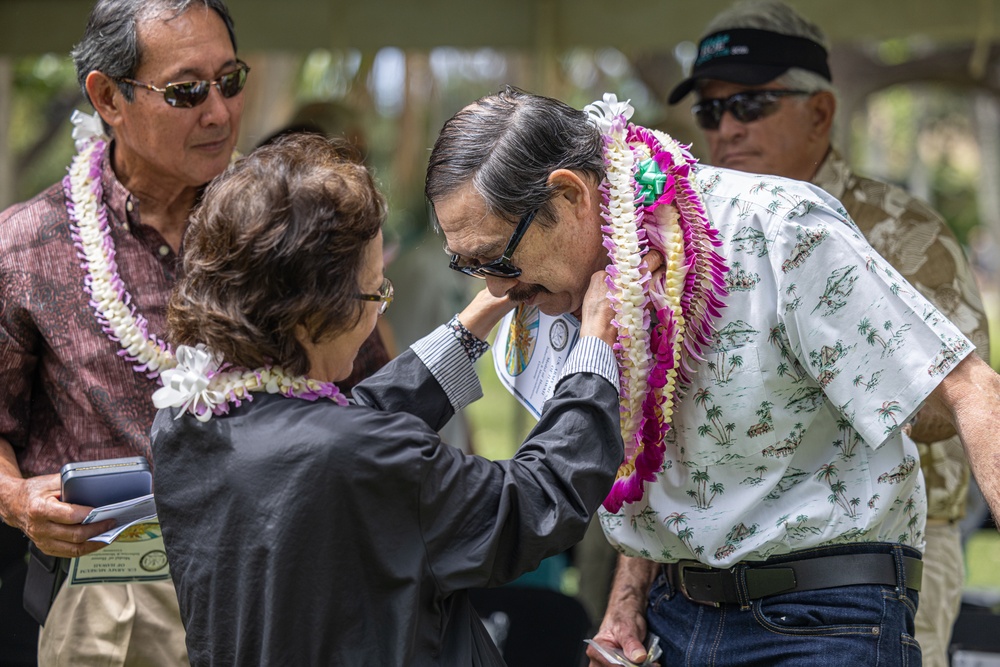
[[302, 528]]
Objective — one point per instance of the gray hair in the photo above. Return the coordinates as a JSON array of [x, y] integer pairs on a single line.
[[776, 16], [110, 43], [507, 144]]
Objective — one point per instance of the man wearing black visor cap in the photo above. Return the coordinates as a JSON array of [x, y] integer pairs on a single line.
[[766, 104]]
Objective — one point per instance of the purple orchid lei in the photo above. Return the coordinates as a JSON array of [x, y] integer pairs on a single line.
[[647, 170], [194, 379]]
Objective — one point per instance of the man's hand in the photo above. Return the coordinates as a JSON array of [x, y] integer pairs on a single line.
[[624, 624], [52, 525], [32, 505], [622, 629]]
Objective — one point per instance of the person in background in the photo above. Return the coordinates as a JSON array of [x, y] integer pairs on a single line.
[[165, 80], [769, 114], [304, 529], [771, 513]]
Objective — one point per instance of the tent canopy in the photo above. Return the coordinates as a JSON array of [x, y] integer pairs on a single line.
[[38, 26]]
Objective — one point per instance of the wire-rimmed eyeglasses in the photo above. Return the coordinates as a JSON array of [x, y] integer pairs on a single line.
[[384, 296], [188, 94]]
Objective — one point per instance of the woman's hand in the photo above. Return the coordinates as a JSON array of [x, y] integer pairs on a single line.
[[596, 313], [483, 313]]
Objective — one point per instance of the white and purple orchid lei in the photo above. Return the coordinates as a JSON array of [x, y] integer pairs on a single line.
[[195, 379], [647, 169]]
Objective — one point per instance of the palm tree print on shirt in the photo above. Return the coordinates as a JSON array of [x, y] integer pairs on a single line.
[[874, 266], [701, 478], [948, 356], [849, 438], [645, 520], [789, 365], [873, 337], [870, 384], [740, 280], [839, 286], [734, 335], [752, 241], [766, 424], [808, 240], [787, 446], [721, 432], [888, 412], [791, 291], [759, 479], [825, 359], [828, 473], [738, 533], [800, 530], [678, 520], [900, 472]]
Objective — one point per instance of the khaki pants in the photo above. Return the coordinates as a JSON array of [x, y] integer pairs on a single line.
[[940, 592], [114, 625]]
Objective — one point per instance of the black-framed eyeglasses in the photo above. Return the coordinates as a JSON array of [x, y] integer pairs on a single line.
[[384, 296], [746, 107], [188, 94], [502, 266]]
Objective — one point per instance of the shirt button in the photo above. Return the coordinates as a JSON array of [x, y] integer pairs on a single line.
[[164, 250], [128, 206]]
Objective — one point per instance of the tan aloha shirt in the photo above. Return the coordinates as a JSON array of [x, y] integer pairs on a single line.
[[789, 435], [918, 243]]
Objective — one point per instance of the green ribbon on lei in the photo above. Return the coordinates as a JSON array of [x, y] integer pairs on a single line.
[[651, 180]]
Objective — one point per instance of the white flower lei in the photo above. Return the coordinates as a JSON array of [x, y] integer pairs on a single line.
[[645, 170], [195, 380]]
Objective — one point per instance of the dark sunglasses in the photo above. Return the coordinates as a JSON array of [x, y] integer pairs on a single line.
[[746, 107], [498, 268], [189, 94], [384, 296]]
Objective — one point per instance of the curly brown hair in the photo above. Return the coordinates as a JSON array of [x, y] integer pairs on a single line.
[[277, 241]]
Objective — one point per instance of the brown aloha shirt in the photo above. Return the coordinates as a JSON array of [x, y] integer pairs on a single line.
[[919, 244], [67, 395]]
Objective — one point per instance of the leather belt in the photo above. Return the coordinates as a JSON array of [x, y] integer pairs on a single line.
[[700, 583]]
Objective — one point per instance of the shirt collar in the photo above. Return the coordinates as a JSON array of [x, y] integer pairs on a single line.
[[115, 194]]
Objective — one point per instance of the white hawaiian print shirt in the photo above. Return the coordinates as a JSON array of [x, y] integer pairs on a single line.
[[917, 242], [788, 437]]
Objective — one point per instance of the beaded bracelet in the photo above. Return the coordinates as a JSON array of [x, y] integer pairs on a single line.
[[474, 347]]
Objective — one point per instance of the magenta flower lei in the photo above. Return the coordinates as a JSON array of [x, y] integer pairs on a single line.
[[647, 169], [195, 379]]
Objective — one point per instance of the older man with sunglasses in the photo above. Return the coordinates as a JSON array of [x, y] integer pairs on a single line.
[[766, 103], [165, 80]]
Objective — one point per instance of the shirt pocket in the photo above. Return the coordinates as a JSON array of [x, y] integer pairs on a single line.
[[728, 415]]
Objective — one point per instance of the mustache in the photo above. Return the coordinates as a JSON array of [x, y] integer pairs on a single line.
[[525, 293]]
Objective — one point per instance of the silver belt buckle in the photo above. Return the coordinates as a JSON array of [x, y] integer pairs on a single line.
[[682, 567]]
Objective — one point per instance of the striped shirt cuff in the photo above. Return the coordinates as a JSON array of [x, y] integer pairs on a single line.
[[448, 361], [592, 355]]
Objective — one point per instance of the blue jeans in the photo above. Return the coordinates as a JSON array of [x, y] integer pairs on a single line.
[[861, 625]]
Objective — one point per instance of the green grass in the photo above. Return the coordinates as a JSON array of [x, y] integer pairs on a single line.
[[499, 423], [982, 560]]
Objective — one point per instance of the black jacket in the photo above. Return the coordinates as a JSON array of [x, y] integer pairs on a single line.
[[304, 533]]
